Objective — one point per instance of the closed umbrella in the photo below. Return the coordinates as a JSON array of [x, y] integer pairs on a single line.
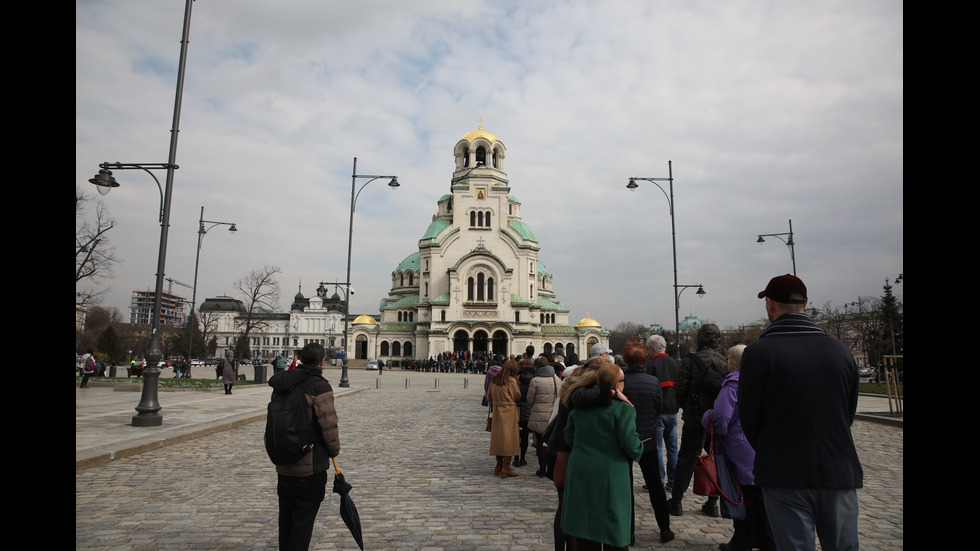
[[348, 511]]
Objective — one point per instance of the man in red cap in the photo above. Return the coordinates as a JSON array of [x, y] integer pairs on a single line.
[[796, 399]]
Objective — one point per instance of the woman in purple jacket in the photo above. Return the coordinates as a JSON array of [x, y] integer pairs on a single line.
[[753, 531]]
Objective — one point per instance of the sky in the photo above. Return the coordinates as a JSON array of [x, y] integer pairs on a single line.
[[764, 112]]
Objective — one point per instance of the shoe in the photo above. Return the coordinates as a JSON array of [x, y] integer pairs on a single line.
[[674, 508], [666, 535], [505, 469], [710, 507], [499, 466], [540, 472]]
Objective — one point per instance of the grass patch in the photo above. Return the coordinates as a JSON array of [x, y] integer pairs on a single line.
[[879, 388]]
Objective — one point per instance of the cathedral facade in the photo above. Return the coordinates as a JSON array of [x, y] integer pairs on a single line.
[[476, 283]]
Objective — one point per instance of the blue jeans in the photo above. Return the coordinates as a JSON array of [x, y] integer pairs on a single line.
[[667, 437]]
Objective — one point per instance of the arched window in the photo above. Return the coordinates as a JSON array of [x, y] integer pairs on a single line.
[[443, 316], [402, 279], [399, 316], [472, 218], [426, 288], [408, 348], [384, 348], [490, 288], [479, 286], [481, 156], [411, 279], [487, 219], [479, 219], [469, 289], [396, 348]]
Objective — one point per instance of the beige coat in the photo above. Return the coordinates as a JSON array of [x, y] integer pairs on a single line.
[[505, 438], [541, 394]]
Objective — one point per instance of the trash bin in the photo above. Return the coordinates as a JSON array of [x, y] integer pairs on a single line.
[[112, 370], [259, 373]]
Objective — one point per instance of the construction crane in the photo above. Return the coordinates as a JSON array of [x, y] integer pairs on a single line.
[[170, 289]]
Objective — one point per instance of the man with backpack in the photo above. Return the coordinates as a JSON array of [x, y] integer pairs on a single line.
[[301, 413], [697, 386], [88, 367]]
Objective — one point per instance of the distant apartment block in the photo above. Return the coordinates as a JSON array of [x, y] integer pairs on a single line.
[[172, 308]]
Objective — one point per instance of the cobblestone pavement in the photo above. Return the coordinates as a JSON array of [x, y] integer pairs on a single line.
[[416, 453]]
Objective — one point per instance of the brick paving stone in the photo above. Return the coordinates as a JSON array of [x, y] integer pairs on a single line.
[[418, 461]]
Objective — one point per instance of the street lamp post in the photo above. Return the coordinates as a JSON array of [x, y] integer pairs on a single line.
[[148, 410], [678, 290], [789, 242], [201, 231], [673, 239], [344, 382]]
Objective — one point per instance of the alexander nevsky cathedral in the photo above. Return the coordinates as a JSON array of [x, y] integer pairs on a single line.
[[476, 284]]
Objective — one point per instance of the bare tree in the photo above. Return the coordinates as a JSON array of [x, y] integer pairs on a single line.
[[94, 256], [259, 292]]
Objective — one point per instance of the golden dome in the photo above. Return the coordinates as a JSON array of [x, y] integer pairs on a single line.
[[480, 133], [588, 322], [364, 319]]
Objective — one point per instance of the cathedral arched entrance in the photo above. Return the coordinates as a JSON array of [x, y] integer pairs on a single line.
[[480, 341], [461, 341], [500, 342], [360, 348]]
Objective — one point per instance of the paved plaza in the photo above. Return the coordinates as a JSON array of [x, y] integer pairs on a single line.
[[413, 447]]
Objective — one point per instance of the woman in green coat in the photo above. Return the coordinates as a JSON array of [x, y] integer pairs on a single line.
[[598, 494]]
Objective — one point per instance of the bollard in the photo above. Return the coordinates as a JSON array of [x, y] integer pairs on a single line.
[[377, 383], [406, 382], [437, 383], [466, 382]]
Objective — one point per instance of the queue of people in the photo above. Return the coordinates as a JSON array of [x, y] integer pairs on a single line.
[[797, 479]]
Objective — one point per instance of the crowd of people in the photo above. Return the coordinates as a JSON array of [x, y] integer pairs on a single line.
[[779, 409], [589, 423]]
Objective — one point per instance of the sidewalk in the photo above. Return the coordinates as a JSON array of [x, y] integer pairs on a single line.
[[103, 414]]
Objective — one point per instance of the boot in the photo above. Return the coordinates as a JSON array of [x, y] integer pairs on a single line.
[[500, 463], [710, 507], [505, 469], [674, 507]]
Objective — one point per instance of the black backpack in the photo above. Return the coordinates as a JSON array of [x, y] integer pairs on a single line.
[[289, 427], [707, 388]]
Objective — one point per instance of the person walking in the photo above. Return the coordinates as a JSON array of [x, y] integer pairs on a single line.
[[643, 390], [541, 395], [751, 531], [301, 486], [697, 385], [229, 372], [793, 376], [666, 370], [503, 396], [88, 367], [278, 365], [598, 490]]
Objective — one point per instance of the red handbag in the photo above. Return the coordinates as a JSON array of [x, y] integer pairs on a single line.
[[705, 468]]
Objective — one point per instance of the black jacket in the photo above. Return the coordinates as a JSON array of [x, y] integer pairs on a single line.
[[797, 396], [643, 390], [666, 370]]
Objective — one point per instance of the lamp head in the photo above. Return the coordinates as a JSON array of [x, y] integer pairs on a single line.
[[760, 240], [233, 228], [701, 291], [394, 182], [632, 184], [104, 181]]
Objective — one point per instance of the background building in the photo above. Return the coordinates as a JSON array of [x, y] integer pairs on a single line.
[[172, 308]]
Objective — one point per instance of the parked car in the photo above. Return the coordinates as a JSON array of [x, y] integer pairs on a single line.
[[372, 365], [865, 371]]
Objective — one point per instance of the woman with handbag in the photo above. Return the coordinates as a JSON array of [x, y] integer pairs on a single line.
[[753, 531], [503, 396], [598, 489]]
